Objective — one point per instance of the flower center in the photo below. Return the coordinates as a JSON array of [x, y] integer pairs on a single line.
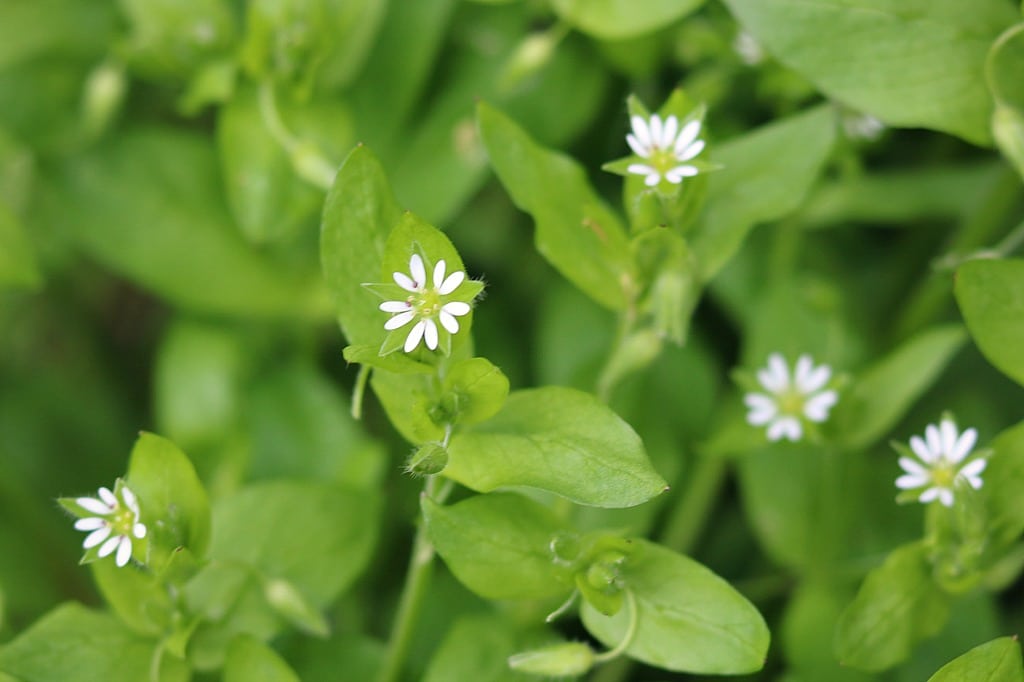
[[663, 160], [122, 521], [426, 304], [791, 402], [943, 475]]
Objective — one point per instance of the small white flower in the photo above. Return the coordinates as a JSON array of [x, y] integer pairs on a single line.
[[115, 522], [790, 400], [665, 147], [425, 304], [940, 462], [749, 50], [859, 126]]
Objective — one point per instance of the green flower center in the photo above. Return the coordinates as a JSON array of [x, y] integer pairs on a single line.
[[791, 402], [122, 521], [663, 160], [943, 475], [426, 304]]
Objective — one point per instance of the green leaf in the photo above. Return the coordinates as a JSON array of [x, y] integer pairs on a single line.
[[576, 231], [358, 216], [32, 28], [897, 606], [75, 643], [688, 618], [619, 19], [396, 363], [476, 647], [166, 227], [1002, 72], [138, 597], [991, 297], [884, 392], [295, 608], [268, 200], [995, 661], [561, 440], [172, 500], [766, 174], [1004, 478], [318, 537], [914, 63], [473, 391], [250, 660], [498, 545], [18, 268]]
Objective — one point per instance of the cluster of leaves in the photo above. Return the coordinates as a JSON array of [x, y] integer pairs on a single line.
[[194, 194]]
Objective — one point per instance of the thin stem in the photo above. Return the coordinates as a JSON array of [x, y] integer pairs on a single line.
[[272, 118], [566, 605], [417, 580], [359, 391]]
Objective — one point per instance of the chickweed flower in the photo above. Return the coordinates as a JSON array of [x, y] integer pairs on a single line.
[[939, 461], [790, 400], [112, 522], [425, 306], [665, 148]]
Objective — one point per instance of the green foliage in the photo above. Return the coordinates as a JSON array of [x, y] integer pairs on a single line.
[[991, 297], [249, 660], [618, 19], [995, 660]]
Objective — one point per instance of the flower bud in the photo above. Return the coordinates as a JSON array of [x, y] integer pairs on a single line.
[[428, 460], [568, 658]]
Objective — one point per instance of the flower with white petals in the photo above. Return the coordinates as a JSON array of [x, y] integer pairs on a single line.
[[665, 147], [112, 520], [426, 305], [939, 462], [790, 399]]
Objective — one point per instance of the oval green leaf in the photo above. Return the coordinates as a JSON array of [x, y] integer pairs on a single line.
[[995, 661], [688, 618], [560, 440], [991, 298]]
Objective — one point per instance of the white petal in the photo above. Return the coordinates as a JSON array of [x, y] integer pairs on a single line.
[[785, 427], [448, 322], [642, 132], [457, 308], [913, 467], [816, 409], [930, 494], [93, 505], [430, 334], [947, 430], [109, 546], [640, 169], [934, 441], [402, 280], [90, 523], [973, 468], [946, 497], [775, 377], [762, 409], [917, 444], [963, 446], [911, 481], [653, 179], [815, 379], [656, 131], [395, 306], [686, 137], [96, 537], [803, 367], [418, 272], [399, 320], [415, 334], [676, 175], [129, 500], [124, 551], [108, 497], [638, 148], [691, 151], [668, 135], [139, 530], [452, 283], [439, 271], [974, 481]]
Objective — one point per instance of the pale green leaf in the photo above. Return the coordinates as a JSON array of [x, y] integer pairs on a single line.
[[995, 661], [991, 297], [620, 19], [561, 440], [250, 660]]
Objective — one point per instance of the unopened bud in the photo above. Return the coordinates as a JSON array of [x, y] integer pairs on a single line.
[[428, 460], [569, 658]]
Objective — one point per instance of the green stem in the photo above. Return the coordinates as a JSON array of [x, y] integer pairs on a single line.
[[627, 639], [417, 580], [359, 391]]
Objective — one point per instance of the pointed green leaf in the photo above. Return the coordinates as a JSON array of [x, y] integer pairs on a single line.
[[897, 606], [688, 618], [765, 175], [576, 232], [250, 660], [498, 545], [561, 440], [995, 661], [914, 63], [884, 392], [991, 297]]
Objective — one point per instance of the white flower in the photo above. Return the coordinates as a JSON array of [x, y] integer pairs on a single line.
[[665, 148], [115, 522], [424, 304], [858, 126], [790, 400], [941, 454]]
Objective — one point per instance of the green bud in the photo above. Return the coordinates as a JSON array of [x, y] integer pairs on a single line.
[[565, 548], [568, 658], [428, 460], [290, 604], [104, 94], [312, 166], [532, 54]]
